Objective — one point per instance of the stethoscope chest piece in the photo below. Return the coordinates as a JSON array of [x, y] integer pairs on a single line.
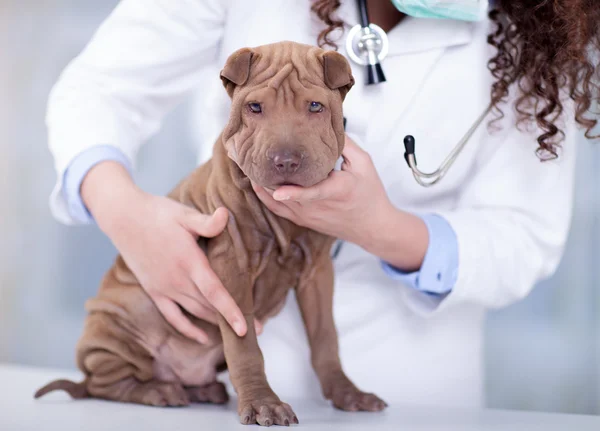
[[368, 46]]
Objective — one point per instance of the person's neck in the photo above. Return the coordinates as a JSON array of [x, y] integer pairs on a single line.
[[384, 14]]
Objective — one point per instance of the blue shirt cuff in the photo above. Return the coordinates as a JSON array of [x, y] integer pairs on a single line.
[[439, 270], [76, 172]]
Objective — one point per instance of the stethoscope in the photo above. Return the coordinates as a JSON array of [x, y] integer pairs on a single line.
[[367, 45]]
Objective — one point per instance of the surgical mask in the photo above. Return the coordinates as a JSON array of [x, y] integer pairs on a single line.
[[463, 10]]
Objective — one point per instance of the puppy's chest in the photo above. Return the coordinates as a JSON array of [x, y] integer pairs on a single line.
[[280, 271]]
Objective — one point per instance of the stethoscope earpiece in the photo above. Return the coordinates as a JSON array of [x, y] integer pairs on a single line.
[[409, 149], [428, 179]]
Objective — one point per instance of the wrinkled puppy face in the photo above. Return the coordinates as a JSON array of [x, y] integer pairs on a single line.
[[286, 121]]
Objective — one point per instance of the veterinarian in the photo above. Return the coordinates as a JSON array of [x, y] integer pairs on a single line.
[[419, 266]]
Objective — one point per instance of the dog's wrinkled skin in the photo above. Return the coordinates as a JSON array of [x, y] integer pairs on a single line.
[[129, 353]]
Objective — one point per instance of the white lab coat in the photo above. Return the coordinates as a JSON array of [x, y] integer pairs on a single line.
[[510, 212]]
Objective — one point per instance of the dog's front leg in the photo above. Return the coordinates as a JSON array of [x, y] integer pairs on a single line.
[[315, 298], [257, 403]]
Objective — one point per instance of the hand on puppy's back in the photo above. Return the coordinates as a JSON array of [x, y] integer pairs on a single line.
[[157, 238]]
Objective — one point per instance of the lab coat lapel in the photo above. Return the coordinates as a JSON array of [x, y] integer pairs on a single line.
[[416, 45], [438, 112]]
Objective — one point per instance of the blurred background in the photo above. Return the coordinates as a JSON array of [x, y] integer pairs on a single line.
[[541, 354]]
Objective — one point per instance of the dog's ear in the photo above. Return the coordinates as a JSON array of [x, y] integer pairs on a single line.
[[237, 69], [337, 72]]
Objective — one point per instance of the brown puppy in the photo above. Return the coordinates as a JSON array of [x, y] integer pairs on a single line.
[[286, 127]]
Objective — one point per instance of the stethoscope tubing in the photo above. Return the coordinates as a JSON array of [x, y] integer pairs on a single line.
[[363, 13], [441, 171]]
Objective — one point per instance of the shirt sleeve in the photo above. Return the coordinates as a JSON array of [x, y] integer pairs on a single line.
[[141, 62], [439, 270], [78, 169]]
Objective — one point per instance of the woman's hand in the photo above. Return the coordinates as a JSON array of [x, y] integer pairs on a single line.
[[352, 205], [157, 238], [347, 205]]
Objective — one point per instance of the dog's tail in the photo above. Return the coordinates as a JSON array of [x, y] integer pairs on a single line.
[[75, 390]]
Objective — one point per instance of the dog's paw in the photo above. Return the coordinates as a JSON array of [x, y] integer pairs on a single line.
[[353, 400], [267, 413]]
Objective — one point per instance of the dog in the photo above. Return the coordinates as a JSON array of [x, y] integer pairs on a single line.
[[285, 127]]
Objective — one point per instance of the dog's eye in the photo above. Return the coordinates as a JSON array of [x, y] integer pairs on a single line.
[[315, 107], [255, 107]]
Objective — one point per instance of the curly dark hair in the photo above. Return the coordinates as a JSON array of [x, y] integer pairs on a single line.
[[549, 48]]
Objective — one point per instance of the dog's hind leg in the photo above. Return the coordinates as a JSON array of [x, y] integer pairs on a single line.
[[113, 378], [214, 393]]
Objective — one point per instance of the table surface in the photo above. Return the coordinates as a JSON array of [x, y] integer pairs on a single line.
[[19, 411]]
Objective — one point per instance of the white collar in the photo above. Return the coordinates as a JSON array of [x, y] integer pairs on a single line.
[[422, 34], [413, 35]]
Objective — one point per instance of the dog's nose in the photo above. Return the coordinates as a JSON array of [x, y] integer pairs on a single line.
[[287, 161]]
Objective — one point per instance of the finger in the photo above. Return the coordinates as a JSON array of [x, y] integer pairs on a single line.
[[258, 327], [175, 317], [352, 153], [334, 185], [207, 226], [216, 295], [197, 309], [277, 208]]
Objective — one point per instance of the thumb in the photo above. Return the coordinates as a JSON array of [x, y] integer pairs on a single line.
[[335, 182], [206, 226], [353, 154]]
